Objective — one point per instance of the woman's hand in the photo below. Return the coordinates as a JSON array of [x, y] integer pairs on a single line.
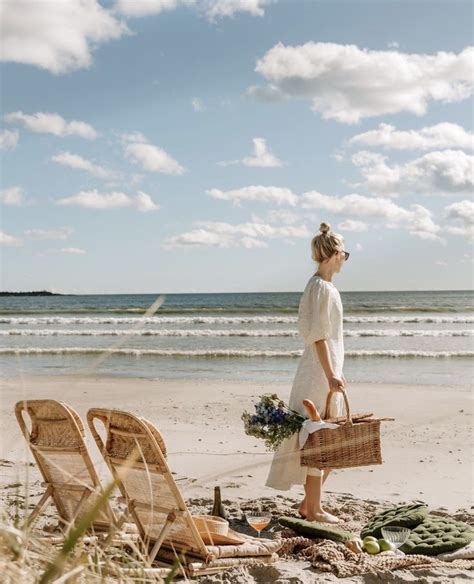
[[335, 384]]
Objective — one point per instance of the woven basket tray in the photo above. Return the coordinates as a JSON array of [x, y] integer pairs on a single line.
[[350, 445]]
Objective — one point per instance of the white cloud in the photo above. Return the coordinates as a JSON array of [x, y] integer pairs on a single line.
[[76, 161], [379, 177], [58, 36], [12, 196], [144, 202], [227, 8], [73, 250], [393, 45], [8, 139], [463, 211], [152, 158], [262, 157], [197, 104], [138, 8], [9, 240], [278, 195], [212, 9], [351, 225], [359, 247], [443, 172], [55, 234], [279, 216], [248, 235], [52, 123], [339, 155], [339, 79], [104, 201], [417, 220], [420, 223], [133, 137], [437, 137]]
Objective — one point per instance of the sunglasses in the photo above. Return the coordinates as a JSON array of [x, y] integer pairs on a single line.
[[346, 255]]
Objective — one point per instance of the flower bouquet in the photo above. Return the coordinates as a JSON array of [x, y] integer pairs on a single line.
[[273, 421]]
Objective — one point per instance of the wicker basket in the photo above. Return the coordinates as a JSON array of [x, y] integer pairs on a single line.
[[353, 443], [215, 525]]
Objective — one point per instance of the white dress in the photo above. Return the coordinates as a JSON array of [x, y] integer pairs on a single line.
[[319, 317]]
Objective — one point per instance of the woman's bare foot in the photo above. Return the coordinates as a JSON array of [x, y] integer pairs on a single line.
[[322, 517], [302, 509]]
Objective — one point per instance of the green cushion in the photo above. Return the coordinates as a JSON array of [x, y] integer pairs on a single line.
[[403, 516], [316, 530], [438, 535]]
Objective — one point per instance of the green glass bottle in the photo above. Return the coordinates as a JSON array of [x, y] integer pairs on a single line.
[[218, 508]]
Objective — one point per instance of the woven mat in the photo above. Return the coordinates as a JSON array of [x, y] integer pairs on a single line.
[[329, 556]]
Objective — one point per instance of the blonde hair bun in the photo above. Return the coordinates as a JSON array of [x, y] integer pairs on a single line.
[[325, 228], [325, 243]]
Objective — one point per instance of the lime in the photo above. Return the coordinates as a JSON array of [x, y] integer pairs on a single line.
[[385, 546], [369, 538], [372, 547]]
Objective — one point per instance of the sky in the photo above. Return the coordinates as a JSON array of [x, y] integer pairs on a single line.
[[196, 145]]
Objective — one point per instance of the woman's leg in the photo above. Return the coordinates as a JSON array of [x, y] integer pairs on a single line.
[[312, 490], [303, 508], [313, 507]]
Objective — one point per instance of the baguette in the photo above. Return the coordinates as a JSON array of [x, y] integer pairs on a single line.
[[311, 410]]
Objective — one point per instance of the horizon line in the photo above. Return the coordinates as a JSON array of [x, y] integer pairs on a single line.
[[26, 292]]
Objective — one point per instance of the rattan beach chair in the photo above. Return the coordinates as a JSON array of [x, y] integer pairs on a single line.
[[55, 435], [136, 455]]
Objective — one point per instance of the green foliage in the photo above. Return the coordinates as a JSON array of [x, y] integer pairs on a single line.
[[272, 422]]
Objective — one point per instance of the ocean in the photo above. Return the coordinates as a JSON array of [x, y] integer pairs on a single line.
[[418, 337]]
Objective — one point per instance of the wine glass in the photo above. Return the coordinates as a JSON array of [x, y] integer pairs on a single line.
[[258, 520], [397, 536]]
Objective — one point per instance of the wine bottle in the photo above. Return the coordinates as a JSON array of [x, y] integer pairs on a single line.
[[218, 508]]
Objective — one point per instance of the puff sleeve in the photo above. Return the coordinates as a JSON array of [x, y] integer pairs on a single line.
[[314, 321]]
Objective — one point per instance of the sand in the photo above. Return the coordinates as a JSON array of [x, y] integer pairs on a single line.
[[427, 451]]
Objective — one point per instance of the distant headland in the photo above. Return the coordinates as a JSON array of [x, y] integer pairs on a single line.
[[33, 293]]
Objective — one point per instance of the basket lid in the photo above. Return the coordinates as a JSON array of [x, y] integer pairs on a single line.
[[216, 531]]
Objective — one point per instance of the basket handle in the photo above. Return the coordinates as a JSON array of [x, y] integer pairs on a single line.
[[346, 403]]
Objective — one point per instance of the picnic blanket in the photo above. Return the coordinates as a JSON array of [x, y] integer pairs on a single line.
[[329, 556]]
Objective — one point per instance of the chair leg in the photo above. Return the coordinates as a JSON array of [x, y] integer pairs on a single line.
[[85, 495], [116, 527], [40, 506], [161, 538]]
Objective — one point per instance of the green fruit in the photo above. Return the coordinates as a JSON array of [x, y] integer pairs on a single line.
[[369, 538], [385, 546], [372, 547]]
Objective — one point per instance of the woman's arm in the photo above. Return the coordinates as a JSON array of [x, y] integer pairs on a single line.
[[335, 383]]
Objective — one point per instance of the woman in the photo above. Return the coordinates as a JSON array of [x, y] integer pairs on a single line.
[[319, 371]]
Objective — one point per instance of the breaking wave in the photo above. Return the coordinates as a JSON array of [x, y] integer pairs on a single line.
[[230, 353], [209, 320], [222, 333]]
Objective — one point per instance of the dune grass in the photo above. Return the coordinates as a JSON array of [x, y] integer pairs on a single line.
[[77, 555]]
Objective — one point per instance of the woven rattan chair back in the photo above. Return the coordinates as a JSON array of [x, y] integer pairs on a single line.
[[56, 440], [136, 455]]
